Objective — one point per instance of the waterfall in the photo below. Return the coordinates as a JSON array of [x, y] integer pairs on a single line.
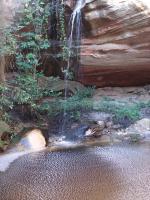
[[75, 30], [72, 44], [74, 38]]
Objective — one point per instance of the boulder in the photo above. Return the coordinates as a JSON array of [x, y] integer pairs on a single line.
[[4, 128], [95, 130], [57, 85], [136, 132], [96, 116], [105, 140], [101, 124], [4, 135], [143, 124], [32, 140]]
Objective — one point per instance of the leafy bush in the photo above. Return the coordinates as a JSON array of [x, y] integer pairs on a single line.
[[73, 105], [31, 42], [69, 106], [5, 99], [86, 92], [120, 110], [27, 90]]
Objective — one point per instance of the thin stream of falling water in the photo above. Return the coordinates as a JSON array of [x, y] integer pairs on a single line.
[[75, 24], [75, 34]]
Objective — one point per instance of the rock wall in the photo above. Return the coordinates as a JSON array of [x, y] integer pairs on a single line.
[[115, 48]]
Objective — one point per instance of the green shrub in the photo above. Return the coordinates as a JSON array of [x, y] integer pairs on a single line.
[[69, 106], [27, 90], [120, 110], [5, 98], [86, 92]]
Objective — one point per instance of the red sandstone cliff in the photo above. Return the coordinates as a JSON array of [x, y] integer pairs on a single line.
[[115, 48]]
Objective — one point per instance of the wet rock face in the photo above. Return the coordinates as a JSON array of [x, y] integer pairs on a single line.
[[116, 44]]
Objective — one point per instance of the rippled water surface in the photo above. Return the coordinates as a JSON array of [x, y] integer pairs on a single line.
[[109, 173]]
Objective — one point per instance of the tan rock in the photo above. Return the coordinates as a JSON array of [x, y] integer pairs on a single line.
[[89, 132], [57, 84], [33, 140], [109, 124], [136, 132], [143, 124], [105, 139], [4, 127], [101, 125]]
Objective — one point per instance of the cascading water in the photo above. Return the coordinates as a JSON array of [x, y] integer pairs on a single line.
[[75, 31], [74, 38], [71, 42]]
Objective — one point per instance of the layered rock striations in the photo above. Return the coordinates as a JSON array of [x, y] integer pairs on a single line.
[[115, 48]]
